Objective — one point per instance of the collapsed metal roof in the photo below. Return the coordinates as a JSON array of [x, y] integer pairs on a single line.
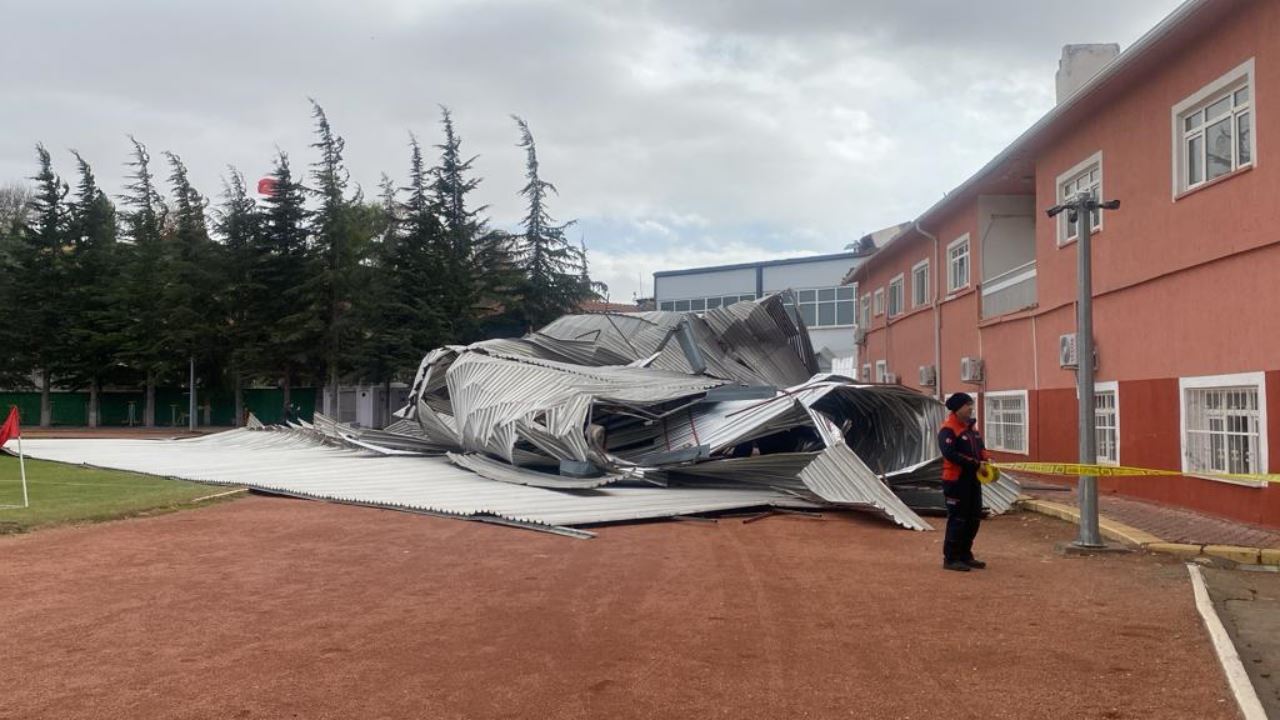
[[595, 419]]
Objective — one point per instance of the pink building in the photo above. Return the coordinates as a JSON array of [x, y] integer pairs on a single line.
[[979, 295]]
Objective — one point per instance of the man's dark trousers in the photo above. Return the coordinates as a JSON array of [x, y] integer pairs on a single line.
[[964, 516]]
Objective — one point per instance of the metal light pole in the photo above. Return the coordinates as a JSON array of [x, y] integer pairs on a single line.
[[1080, 209], [191, 408]]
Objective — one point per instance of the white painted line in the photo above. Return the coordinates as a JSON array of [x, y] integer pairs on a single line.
[[1237, 677], [237, 491]]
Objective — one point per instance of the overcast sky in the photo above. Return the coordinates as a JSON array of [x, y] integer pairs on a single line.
[[679, 132]]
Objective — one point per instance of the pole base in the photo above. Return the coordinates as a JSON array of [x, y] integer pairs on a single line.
[[1074, 549]]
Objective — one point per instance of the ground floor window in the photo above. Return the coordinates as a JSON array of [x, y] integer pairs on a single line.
[[1006, 421], [1224, 423], [882, 371], [1106, 423]]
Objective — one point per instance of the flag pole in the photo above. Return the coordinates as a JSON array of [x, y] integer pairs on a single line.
[[22, 468]]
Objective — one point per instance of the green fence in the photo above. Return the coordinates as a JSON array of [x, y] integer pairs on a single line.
[[71, 409]]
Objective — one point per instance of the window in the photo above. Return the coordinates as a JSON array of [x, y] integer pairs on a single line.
[[958, 264], [866, 373], [1224, 424], [1106, 422], [1006, 427], [921, 293], [879, 302], [864, 311], [895, 296], [702, 304], [826, 307], [1213, 130], [882, 371], [668, 306], [1083, 178]]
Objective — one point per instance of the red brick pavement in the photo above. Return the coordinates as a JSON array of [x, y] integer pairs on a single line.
[[1171, 524]]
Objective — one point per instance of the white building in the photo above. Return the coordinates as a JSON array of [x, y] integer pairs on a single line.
[[826, 307]]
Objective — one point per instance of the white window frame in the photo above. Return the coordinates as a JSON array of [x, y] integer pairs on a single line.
[[1237, 78], [897, 291], [866, 373], [921, 289], [864, 311], [877, 304], [882, 370], [1026, 421], [834, 302], [1072, 177], [952, 285], [1253, 380], [1108, 388]]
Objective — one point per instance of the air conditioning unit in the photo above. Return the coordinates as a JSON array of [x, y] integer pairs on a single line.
[[891, 378], [928, 375], [970, 370], [1069, 353], [859, 336]]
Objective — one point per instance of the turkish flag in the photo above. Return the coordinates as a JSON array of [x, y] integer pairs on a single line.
[[10, 427], [267, 186]]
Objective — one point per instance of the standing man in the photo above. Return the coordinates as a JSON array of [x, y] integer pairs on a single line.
[[962, 455]]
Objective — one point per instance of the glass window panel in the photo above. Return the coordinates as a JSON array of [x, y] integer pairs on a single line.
[[826, 314], [809, 313], [747, 298], [1219, 139], [1194, 121], [682, 306], [1218, 109], [698, 305], [844, 292], [806, 295], [1242, 95], [1195, 160], [713, 303], [729, 300], [668, 306], [1244, 122], [827, 294], [844, 312]]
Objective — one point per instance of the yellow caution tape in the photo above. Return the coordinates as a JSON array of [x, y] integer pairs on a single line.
[[1075, 469]]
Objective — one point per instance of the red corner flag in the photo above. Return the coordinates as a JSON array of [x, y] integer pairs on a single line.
[[10, 427]]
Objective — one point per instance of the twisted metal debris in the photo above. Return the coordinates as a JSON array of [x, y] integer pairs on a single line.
[[600, 418]]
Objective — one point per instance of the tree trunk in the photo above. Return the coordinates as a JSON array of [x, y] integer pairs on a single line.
[[46, 399], [238, 421], [149, 405], [93, 402], [386, 401]]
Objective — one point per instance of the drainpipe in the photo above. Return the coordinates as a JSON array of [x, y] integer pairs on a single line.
[[935, 276]]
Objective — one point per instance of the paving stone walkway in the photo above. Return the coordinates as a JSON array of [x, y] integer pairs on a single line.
[[1170, 524]]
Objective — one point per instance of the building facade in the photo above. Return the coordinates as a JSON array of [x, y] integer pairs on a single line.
[[980, 293], [825, 305]]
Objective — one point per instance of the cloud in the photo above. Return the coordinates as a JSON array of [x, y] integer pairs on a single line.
[[677, 132]]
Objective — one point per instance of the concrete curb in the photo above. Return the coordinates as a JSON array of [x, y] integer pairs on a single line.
[[1237, 677], [1119, 532]]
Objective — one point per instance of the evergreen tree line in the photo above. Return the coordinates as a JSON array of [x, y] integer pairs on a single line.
[[312, 284]]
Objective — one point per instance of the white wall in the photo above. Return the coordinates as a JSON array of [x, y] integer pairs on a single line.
[[708, 284], [827, 273]]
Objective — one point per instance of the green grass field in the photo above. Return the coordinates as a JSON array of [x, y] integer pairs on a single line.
[[62, 494]]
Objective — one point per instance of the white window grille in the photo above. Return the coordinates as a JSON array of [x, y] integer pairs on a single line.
[[958, 264], [1224, 424], [1006, 421], [878, 302], [1106, 419], [1083, 178], [1213, 130], [702, 304], [864, 312], [866, 373], [921, 293], [882, 371], [895, 295]]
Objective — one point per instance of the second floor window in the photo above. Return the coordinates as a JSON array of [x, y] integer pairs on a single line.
[[958, 264]]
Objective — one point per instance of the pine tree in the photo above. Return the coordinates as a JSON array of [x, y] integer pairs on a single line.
[[238, 224], [283, 271], [93, 288], [338, 246], [192, 278], [463, 229], [553, 268], [142, 338], [15, 208], [40, 307], [419, 273]]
